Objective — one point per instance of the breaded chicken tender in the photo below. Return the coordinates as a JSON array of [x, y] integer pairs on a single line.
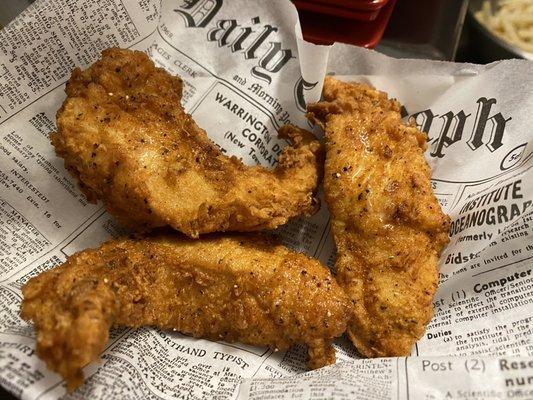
[[236, 288], [387, 224], [125, 136]]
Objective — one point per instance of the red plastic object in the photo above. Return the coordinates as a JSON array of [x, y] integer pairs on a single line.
[[326, 29], [369, 5], [334, 10]]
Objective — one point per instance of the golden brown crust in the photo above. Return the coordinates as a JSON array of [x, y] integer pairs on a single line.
[[388, 226], [236, 288], [124, 134]]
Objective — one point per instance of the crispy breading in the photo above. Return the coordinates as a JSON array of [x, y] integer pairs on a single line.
[[387, 224], [124, 134], [237, 288]]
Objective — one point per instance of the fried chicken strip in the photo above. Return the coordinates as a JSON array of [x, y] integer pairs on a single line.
[[125, 136], [237, 288], [387, 224]]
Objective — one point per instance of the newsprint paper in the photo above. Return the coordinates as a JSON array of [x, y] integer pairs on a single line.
[[247, 72]]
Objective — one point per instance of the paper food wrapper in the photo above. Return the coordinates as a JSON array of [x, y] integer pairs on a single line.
[[247, 72]]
